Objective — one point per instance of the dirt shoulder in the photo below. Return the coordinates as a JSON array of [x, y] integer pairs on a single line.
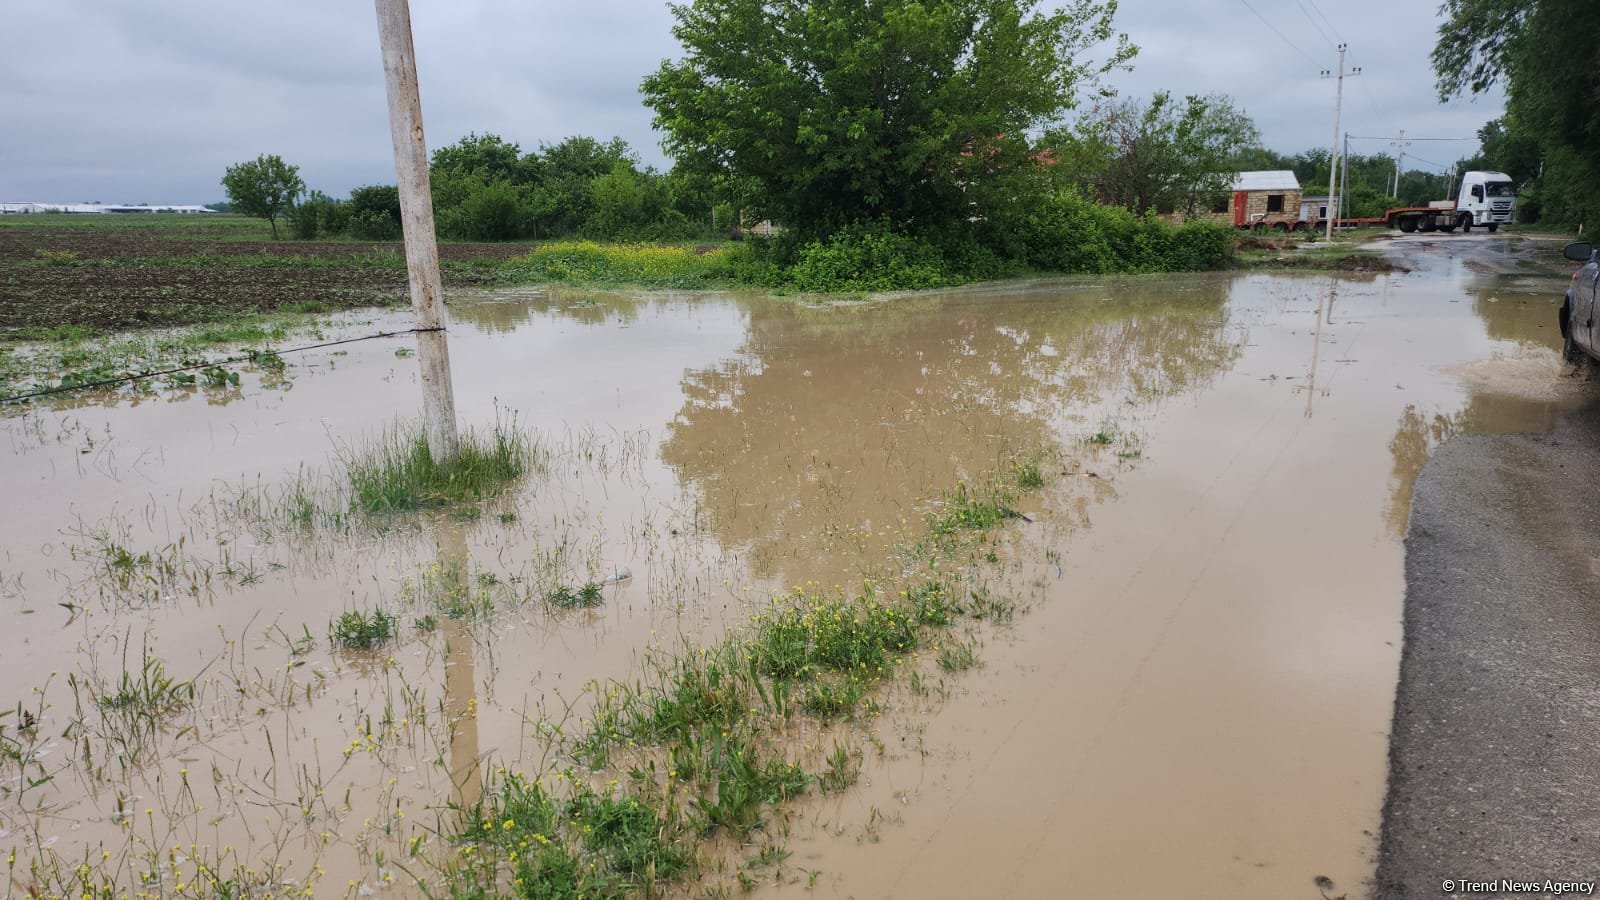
[[1497, 715]]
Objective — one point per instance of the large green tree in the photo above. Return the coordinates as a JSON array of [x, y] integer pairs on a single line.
[[911, 111], [265, 187], [1543, 52]]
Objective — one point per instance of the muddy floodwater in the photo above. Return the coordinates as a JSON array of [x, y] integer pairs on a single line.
[[1193, 700]]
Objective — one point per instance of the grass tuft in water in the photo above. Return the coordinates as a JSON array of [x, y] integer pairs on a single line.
[[362, 630], [1027, 476], [588, 596], [399, 474]]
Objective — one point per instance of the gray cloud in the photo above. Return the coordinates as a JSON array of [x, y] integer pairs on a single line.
[[149, 100]]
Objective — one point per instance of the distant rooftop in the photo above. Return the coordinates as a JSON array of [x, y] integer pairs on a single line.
[[24, 207], [1271, 180]]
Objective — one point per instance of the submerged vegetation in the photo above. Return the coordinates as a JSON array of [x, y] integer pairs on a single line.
[[399, 473], [701, 736], [362, 630]]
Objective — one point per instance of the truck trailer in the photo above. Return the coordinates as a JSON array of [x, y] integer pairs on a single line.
[[1486, 199]]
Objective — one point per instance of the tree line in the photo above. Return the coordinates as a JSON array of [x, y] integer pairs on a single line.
[[487, 189], [1542, 52]]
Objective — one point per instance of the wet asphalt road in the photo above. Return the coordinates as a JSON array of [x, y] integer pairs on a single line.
[[1495, 750]]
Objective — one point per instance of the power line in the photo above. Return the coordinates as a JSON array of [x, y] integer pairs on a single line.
[[1440, 166], [1360, 138], [130, 377], [1314, 24], [1325, 18], [1281, 35]]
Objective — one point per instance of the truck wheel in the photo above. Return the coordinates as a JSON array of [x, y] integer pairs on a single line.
[[1428, 225], [1466, 223], [1408, 224], [1493, 227]]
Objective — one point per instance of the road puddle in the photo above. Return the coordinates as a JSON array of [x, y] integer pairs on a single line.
[[1195, 698]]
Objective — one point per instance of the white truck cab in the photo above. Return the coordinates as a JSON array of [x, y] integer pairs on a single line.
[[1487, 198]]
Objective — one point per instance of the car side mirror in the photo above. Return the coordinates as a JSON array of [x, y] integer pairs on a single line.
[[1477, 192], [1579, 252]]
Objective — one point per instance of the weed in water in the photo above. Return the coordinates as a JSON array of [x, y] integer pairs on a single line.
[[964, 509], [588, 596], [426, 624], [151, 692], [133, 713], [957, 656], [1027, 476], [844, 767], [629, 835], [362, 630]]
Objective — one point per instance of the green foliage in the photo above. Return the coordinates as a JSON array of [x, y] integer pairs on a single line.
[[1543, 51], [634, 205], [1159, 155], [362, 630], [489, 157], [318, 214], [496, 211], [265, 188], [1068, 233], [869, 257], [374, 212], [628, 834], [586, 262], [588, 596], [844, 112], [400, 474], [970, 509]]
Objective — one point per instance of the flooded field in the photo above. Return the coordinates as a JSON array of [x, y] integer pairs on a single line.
[[1189, 691]]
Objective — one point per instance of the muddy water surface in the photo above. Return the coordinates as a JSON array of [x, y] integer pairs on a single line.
[[1197, 699], [1199, 705]]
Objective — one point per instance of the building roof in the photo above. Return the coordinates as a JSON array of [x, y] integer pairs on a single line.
[[1274, 180]]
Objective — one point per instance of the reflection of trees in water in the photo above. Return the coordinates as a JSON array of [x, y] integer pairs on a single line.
[[834, 421], [1418, 434], [504, 312]]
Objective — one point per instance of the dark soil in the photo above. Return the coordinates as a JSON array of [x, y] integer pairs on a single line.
[[104, 279]]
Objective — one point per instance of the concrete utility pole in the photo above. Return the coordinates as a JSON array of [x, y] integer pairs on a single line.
[[1400, 144], [416, 216], [1344, 172], [1333, 160]]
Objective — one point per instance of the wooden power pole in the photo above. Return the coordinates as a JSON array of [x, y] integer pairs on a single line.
[[416, 216]]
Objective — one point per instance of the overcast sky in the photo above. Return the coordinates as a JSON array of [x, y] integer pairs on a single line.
[[129, 101]]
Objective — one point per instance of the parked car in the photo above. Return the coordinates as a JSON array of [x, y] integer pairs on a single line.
[[1578, 314]]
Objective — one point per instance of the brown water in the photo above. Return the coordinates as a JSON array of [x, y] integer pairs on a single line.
[[1197, 700]]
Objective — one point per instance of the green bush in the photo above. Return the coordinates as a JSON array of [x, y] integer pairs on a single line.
[[869, 257], [374, 212], [318, 214], [1069, 233], [492, 212]]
